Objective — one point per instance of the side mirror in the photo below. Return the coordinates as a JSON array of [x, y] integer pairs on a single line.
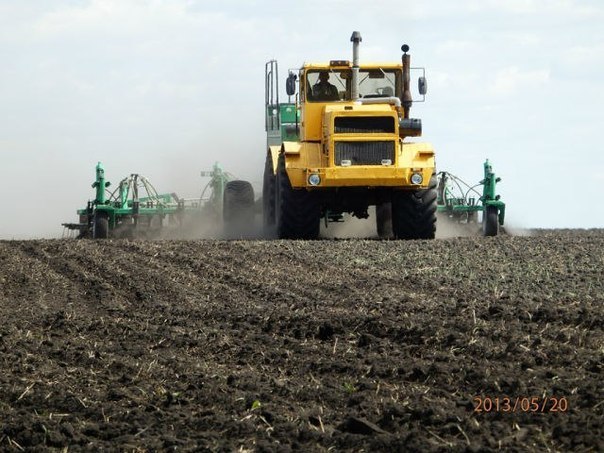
[[290, 84], [422, 85]]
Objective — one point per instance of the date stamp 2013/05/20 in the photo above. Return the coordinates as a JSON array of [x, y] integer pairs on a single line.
[[535, 404]]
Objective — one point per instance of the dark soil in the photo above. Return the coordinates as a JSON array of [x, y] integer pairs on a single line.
[[283, 345]]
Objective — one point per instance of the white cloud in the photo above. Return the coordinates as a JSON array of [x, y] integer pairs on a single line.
[[512, 79], [540, 7], [590, 54], [455, 46]]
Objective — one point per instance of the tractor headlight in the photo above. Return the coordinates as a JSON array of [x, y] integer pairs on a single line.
[[417, 178], [314, 179]]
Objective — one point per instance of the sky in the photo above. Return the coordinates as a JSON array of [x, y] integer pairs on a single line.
[[166, 88]]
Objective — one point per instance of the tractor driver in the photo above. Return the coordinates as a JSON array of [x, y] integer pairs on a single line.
[[323, 90]]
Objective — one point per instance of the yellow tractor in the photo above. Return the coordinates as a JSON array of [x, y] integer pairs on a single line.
[[339, 145]]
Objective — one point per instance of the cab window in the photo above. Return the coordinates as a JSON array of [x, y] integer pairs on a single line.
[[332, 85], [326, 86], [378, 82]]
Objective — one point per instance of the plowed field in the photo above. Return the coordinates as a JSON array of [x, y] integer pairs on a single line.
[[283, 345]]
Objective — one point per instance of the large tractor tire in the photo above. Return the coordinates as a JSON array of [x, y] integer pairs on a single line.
[[414, 213], [238, 206], [490, 221], [297, 211], [100, 225], [383, 220], [269, 194]]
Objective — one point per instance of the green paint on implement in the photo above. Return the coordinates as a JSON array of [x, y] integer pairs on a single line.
[[136, 206], [461, 201]]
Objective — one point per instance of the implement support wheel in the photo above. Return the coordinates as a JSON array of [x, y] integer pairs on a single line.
[[490, 221], [100, 225], [238, 204]]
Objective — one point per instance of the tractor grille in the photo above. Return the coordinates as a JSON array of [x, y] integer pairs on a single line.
[[364, 153], [364, 124]]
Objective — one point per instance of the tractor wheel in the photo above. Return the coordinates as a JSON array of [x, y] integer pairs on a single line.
[[238, 204], [268, 197], [383, 220], [100, 225], [414, 213], [490, 221], [298, 214]]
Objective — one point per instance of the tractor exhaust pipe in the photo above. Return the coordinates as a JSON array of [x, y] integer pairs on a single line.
[[355, 39], [407, 99]]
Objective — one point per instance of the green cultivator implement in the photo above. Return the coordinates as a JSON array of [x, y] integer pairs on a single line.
[[135, 206], [460, 202], [136, 209]]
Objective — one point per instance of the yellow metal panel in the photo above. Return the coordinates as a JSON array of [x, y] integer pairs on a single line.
[[417, 155], [317, 115], [292, 147], [309, 155], [352, 108], [297, 177], [361, 176], [307, 158], [310, 121], [274, 150], [370, 176]]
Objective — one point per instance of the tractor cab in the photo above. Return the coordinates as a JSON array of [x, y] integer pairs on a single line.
[[323, 85]]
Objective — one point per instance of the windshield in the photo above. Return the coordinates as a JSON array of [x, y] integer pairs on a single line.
[[334, 85]]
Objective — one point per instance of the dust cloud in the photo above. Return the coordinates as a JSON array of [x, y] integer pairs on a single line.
[[515, 230], [351, 227], [447, 228], [206, 223]]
